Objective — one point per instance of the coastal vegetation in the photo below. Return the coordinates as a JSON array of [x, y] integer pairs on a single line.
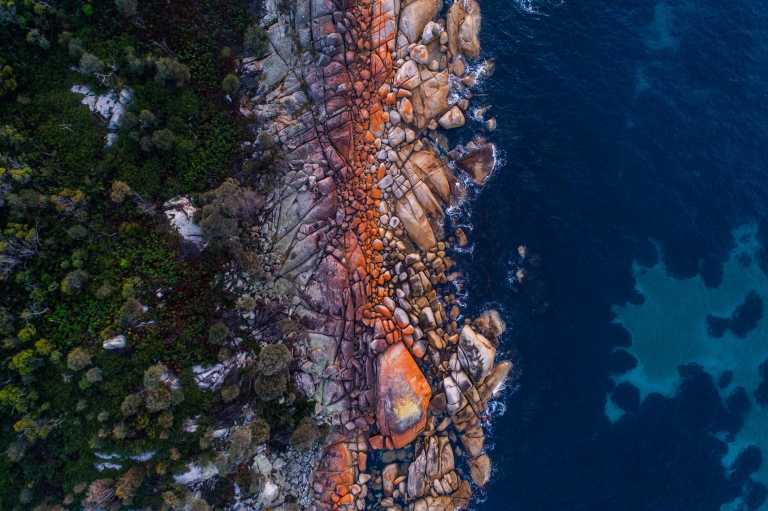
[[104, 309]]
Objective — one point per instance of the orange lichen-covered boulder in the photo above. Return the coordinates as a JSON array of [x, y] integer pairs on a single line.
[[403, 395]]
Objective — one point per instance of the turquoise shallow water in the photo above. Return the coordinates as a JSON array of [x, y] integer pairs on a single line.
[[635, 173]]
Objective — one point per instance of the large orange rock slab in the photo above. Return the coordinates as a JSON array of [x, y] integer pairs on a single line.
[[403, 395]]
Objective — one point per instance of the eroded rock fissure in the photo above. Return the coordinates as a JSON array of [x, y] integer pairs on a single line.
[[359, 220]]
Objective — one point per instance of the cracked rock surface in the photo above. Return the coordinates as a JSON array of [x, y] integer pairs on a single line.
[[352, 90]]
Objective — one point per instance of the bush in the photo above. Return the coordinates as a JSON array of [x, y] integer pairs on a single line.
[[241, 446], [127, 8], [270, 387], [128, 484], [119, 191], [90, 64], [273, 359], [74, 281], [229, 392], [230, 83], [218, 333], [256, 41], [305, 435], [153, 375], [94, 375], [259, 431], [199, 505], [104, 291], [246, 303], [171, 70], [158, 398], [78, 359], [163, 139], [130, 404], [131, 310]]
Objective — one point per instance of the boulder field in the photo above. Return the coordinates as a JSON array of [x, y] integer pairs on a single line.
[[351, 91]]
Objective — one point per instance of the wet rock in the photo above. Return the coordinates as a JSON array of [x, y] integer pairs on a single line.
[[479, 163], [495, 381], [476, 354], [463, 25], [480, 470], [454, 118], [461, 237]]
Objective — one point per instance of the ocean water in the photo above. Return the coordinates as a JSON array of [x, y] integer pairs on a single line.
[[634, 171]]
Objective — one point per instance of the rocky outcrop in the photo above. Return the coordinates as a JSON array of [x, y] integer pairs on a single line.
[[479, 163], [355, 244]]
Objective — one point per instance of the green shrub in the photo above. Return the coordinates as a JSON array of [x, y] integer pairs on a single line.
[[305, 435], [170, 70], [229, 392], [259, 431], [218, 333], [131, 310], [273, 359], [78, 359], [163, 139], [230, 83], [256, 41], [153, 375], [270, 387], [74, 281], [130, 404]]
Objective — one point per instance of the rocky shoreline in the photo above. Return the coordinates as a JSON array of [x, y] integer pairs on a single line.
[[355, 92]]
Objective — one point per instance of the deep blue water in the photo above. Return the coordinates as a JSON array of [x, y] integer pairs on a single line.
[[626, 126]]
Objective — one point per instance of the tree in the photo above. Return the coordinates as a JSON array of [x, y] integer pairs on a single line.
[[78, 359], [74, 281], [23, 362], [159, 398], [273, 359], [130, 404], [171, 70], [305, 435], [249, 261], [100, 493], [224, 208], [104, 291], [218, 333], [90, 64], [127, 8], [230, 83], [128, 484], [153, 375], [163, 139], [18, 242], [119, 191], [34, 36], [256, 41], [94, 375], [120, 431]]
